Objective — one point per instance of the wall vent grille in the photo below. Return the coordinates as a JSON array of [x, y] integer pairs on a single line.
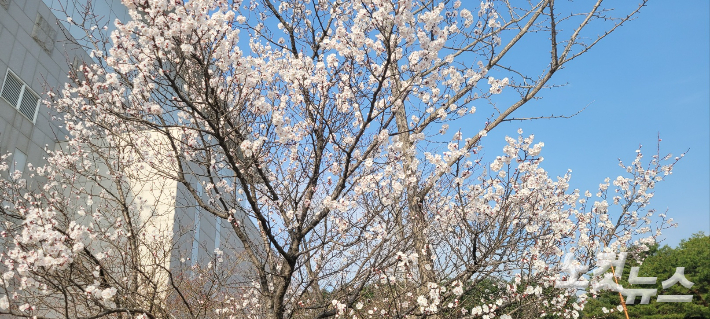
[[20, 96]]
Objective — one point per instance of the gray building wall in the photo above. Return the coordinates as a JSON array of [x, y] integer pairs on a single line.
[[34, 45]]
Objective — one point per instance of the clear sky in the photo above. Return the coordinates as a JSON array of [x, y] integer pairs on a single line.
[[650, 77], [107, 11]]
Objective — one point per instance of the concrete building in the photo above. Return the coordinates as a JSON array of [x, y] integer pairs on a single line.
[[31, 58], [38, 49]]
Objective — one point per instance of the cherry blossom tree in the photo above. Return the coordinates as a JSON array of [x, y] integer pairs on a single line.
[[345, 133]]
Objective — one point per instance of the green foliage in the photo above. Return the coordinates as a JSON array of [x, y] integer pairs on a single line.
[[693, 254]]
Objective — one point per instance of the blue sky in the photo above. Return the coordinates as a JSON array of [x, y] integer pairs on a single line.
[[650, 77]]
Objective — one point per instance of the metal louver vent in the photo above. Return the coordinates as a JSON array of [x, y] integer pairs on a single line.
[[20, 96], [28, 105], [12, 89]]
